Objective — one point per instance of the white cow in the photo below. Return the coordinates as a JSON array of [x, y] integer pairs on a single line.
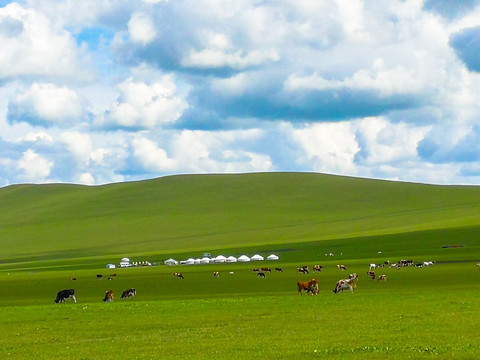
[[345, 284]]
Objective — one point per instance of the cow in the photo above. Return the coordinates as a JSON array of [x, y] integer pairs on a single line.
[[345, 284], [216, 274], [372, 266], [353, 276], [277, 269], [99, 276], [108, 296], [113, 275], [261, 274], [382, 278], [265, 269], [255, 270], [317, 268], [129, 293], [341, 267], [73, 279], [311, 287], [371, 274], [303, 270], [63, 295], [178, 274]]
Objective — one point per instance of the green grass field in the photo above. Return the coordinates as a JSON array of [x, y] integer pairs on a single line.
[[52, 233]]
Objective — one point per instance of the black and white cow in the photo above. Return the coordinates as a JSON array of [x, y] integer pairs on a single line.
[[63, 295], [128, 293]]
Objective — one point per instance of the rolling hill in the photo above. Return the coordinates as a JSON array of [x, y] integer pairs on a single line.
[[195, 213]]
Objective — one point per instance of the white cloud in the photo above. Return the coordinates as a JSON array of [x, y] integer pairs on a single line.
[[36, 47], [79, 144], [141, 29], [329, 147], [143, 105], [35, 167], [48, 105], [86, 179], [151, 156]]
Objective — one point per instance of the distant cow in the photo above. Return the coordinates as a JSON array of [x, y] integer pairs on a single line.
[[353, 276], [311, 287], [73, 279], [382, 278], [255, 270], [341, 267], [277, 269], [261, 274], [99, 276], [345, 284], [179, 275], [266, 269], [108, 296], [216, 274], [303, 270], [63, 295], [128, 293], [371, 274], [317, 268]]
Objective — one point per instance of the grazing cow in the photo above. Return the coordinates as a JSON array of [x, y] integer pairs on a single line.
[[371, 274], [113, 275], [232, 273], [265, 269], [63, 295], [179, 275], [129, 293], [353, 276], [109, 278], [261, 274], [346, 284], [419, 265], [73, 279], [255, 270], [216, 274], [311, 287], [108, 296], [341, 267], [99, 276], [382, 278], [302, 270], [277, 269], [317, 268], [372, 266]]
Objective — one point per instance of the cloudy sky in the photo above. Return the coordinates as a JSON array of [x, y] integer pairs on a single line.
[[101, 91]]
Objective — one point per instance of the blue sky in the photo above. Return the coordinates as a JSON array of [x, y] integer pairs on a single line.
[[95, 92]]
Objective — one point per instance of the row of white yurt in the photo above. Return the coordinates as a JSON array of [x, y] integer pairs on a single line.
[[220, 259]]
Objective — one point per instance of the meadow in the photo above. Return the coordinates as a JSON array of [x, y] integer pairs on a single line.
[[50, 234]]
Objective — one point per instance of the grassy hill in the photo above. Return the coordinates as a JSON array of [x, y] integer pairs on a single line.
[[196, 213]]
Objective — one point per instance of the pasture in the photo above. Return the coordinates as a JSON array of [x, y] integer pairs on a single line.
[[417, 313], [50, 234]]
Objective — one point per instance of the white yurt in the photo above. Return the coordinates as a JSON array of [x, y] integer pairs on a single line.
[[272, 257], [190, 261], [220, 259], [231, 259], [243, 258], [204, 260], [171, 262], [125, 262], [257, 257], [198, 261]]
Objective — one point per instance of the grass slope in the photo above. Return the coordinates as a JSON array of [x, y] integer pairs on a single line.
[[181, 214]]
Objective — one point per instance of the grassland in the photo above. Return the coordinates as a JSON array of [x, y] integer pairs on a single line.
[[52, 233]]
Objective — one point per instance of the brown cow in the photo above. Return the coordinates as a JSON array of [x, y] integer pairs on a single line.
[[179, 275], [317, 268], [108, 296], [311, 287], [382, 278]]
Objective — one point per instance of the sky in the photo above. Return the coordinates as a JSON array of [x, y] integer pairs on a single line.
[[102, 91]]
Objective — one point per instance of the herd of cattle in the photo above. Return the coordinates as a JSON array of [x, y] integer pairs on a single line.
[[310, 287]]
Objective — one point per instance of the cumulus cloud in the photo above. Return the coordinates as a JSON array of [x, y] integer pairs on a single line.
[[35, 168], [33, 46], [47, 105], [140, 28], [144, 105]]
